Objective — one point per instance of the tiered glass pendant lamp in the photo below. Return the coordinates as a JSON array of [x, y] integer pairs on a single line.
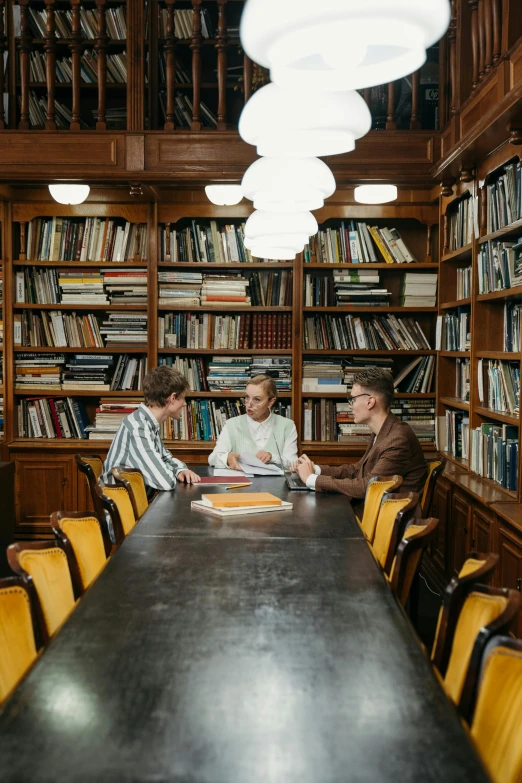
[[303, 124], [288, 232], [288, 184], [341, 44]]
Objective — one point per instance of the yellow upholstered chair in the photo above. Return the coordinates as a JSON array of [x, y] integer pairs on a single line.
[[415, 539], [116, 501], [486, 612], [496, 727], [394, 514], [376, 488], [478, 568], [133, 481], [435, 468], [18, 647], [92, 468], [44, 568], [85, 540]]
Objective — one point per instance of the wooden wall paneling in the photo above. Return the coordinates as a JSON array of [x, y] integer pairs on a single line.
[[483, 532], [509, 570], [44, 483], [511, 24], [441, 543], [461, 505]]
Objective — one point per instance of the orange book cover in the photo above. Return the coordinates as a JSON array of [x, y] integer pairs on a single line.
[[242, 499]]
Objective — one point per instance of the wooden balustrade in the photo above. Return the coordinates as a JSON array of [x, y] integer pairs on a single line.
[[50, 63], [195, 45], [77, 49], [100, 47], [170, 65]]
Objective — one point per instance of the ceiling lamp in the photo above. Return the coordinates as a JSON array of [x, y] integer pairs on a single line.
[[288, 184], [273, 253], [282, 230], [341, 44], [69, 194], [224, 195], [375, 194], [299, 124]]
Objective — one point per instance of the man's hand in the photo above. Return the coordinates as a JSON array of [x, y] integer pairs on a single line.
[[303, 460], [232, 461], [264, 456], [188, 477], [305, 468]]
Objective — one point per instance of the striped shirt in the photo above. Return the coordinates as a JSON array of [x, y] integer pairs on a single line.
[[138, 444]]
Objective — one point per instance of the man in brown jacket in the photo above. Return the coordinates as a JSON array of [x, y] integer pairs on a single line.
[[393, 449]]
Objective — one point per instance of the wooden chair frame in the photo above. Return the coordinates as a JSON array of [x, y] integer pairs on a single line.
[[123, 482], [454, 596], [426, 505], [92, 481], [67, 547], [13, 550], [108, 505], [401, 520], [500, 626], [477, 672], [407, 547]]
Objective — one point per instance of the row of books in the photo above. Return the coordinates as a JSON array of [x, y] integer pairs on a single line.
[[184, 112], [53, 286], [116, 68], [504, 198], [417, 376], [203, 420], [80, 372], [381, 332], [206, 330], [499, 385], [38, 112], [212, 291], [462, 379], [512, 313], [184, 23], [54, 329], [331, 376], [270, 289], [493, 453], [460, 217], [499, 265], [345, 288], [463, 282], [355, 242], [1, 416], [46, 417], [205, 243], [419, 289], [85, 239], [229, 374], [453, 330], [114, 19], [456, 436]]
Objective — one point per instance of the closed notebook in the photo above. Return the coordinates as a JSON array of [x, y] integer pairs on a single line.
[[241, 499]]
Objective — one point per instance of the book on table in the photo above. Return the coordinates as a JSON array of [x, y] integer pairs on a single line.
[[240, 503]]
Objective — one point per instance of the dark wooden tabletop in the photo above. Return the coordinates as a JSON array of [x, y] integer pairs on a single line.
[[199, 658]]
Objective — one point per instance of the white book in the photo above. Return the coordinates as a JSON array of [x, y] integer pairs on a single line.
[[20, 287], [35, 424]]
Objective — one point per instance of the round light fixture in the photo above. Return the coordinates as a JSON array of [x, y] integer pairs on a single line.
[[294, 242], [274, 253], [375, 194], [288, 184], [69, 194], [281, 230], [299, 124], [341, 44], [224, 195]]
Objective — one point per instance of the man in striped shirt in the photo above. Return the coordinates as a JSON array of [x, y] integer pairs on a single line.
[[138, 444]]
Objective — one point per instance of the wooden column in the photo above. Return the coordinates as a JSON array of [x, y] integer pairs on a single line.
[[170, 66], [135, 66], [482, 40], [473, 4], [3, 47], [77, 50], [100, 47], [495, 13], [247, 76], [25, 50], [50, 64], [452, 38], [488, 33], [196, 64], [390, 117], [221, 47], [429, 240], [22, 256], [415, 85]]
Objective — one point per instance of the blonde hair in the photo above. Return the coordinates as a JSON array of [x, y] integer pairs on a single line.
[[267, 383]]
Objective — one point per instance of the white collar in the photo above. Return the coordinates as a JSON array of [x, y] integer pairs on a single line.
[[260, 425]]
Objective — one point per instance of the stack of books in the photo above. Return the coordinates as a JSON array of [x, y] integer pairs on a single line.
[[225, 505], [461, 224], [349, 286], [219, 290], [494, 453], [457, 434], [355, 242], [278, 368], [205, 330], [504, 198], [382, 332], [419, 289], [109, 416], [125, 329], [228, 373], [453, 330], [499, 265], [270, 289], [45, 417], [416, 377], [87, 372], [193, 370], [179, 289], [420, 415], [85, 239], [324, 376], [204, 243], [81, 288], [512, 311], [499, 385], [37, 371], [126, 286], [462, 379], [54, 329], [464, 282], [355, 364]]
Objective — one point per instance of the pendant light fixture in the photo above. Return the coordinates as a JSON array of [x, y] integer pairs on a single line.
[[288, 184], [224, 195], [274, 253], [341, 44], [73, 193], [279, 230], [303, 124], [375, 194]]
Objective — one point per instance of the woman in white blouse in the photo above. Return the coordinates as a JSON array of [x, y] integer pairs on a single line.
[[270, 437]]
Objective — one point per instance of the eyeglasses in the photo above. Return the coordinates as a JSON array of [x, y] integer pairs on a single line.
[[351, 399], [254, 402]]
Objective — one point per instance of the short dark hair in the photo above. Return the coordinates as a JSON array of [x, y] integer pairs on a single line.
[[267, 382], [377, 381], [161, 382]]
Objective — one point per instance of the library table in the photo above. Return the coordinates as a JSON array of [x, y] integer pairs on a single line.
[[219, 658]]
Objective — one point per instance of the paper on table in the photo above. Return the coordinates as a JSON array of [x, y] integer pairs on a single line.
[[231, 473], [258, 468]]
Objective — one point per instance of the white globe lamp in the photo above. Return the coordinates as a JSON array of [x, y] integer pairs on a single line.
[[288, 184], [375, 194], [69, 194], [224, 195]]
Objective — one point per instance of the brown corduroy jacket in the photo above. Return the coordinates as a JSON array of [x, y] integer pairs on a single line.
[[396, 450]]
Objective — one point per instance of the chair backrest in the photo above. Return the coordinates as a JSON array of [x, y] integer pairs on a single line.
[[92, 468], [415, 539], [395, 512], [376, 488], [44, 568], [435, 468], [133, 481], [496, 727], [18, 646], [85, 543], [116, 501], [478, 568], [486, 612]]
